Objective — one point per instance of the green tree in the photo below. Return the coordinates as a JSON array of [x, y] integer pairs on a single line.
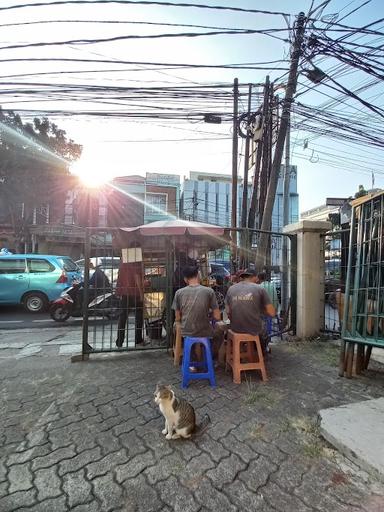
[[34, 168], [361, 192]]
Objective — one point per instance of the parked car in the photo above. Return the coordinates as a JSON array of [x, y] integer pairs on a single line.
[[225, 263], [332, 280], [108, 264], [332, 268], [34, 280], [220, 274]]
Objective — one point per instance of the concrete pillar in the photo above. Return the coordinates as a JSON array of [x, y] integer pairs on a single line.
[[310, 275]]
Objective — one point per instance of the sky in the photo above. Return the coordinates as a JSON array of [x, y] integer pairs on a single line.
[[123, 146]]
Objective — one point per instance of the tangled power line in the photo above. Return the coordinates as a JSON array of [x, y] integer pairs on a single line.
[[331, 52]]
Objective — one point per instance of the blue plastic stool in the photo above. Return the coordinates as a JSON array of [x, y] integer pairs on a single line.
[[207, 362], [269, 325]]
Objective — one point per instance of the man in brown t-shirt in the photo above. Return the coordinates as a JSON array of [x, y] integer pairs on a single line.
[[247, 303]]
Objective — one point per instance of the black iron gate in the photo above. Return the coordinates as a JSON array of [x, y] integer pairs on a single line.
[[335, 257], [129, 285]]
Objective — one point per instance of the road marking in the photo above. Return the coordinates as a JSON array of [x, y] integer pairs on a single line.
[[50, 320], [11, 321]]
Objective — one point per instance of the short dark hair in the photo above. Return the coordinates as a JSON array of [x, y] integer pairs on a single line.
[[262, 276], [190, 271], [248, 272]]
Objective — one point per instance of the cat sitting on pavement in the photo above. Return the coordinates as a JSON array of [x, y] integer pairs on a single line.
[[180, 418]]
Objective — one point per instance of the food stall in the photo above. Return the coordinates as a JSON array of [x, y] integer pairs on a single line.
[[166, 247]]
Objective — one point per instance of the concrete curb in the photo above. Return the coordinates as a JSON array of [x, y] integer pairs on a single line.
[[356, 430]]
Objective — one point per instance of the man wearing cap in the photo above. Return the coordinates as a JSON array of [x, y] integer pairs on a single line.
[[247, 303]]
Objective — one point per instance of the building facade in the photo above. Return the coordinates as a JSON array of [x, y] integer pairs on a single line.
[[162, 197], [320, 212], [207, 197], [126, 201], [134, 200]]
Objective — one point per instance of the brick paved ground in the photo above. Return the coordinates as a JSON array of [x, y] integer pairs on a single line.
[[87, 437]]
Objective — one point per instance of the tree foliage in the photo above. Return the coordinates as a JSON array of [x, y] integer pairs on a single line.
[[34, 167], [361, 192]]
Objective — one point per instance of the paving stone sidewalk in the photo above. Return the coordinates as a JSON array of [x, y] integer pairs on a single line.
[[86, 437], [21, 343]]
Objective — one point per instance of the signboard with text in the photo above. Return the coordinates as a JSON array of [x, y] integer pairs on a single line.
[[163, 179]]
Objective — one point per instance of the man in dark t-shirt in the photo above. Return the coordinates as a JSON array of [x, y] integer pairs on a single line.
[[130, 289], [98, 280], [247, 303]]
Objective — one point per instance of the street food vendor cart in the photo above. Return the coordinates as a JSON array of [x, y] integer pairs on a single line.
[[157, 253], [166, 245]]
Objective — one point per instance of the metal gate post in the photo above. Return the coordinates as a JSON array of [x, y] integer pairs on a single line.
[[284, 281], [347, 291], [87, 252], [293, 281], [169, 255], [248, 247]]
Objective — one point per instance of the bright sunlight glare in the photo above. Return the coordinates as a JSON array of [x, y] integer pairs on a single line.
[[92, 174]]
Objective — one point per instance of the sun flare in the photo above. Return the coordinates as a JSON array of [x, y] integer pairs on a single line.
[[91, 174]]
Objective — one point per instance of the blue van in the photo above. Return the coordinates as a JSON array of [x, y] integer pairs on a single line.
[[35, 279]]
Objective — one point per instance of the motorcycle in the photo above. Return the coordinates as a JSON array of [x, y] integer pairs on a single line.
[[70, 303]]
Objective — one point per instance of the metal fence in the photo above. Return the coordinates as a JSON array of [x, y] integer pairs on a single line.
[[129, 284], [364, 308], [335, 256]]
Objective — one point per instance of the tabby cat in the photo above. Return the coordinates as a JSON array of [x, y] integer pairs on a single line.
[[180, 418]]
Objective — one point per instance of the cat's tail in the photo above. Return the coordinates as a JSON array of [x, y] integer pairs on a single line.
[[203, 425]]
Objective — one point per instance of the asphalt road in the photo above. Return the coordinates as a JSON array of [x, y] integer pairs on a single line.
[[14, 317]]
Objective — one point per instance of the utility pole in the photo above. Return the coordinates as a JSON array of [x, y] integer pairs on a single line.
[[244, 208], [287, 174], [265, 172], [235, 151], [194, 205], [286, 109], [259, 151], [286, 201]]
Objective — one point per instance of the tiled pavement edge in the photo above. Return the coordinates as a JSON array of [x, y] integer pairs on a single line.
[[87, 437], [21, 343]]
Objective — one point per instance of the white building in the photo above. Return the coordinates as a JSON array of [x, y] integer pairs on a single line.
[[207, 197], [320, 212]]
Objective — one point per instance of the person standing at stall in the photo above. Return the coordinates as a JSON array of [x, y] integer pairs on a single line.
[[130, 289]]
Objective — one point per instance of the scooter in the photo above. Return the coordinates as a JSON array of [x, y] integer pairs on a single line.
[[70, 303]]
